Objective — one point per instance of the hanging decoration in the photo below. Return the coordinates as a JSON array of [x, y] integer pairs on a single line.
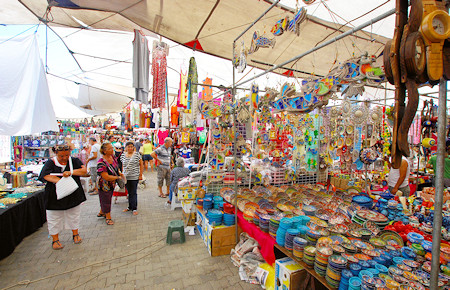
[[192, 79], [350, 77], [260, 41], [359, 115]]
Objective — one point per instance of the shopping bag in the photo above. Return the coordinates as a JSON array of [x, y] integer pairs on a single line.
[[118, 189], [66, 185]]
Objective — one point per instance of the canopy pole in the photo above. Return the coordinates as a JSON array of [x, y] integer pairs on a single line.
[[339, 37], [233, 92], [438, 198], [234, 102]]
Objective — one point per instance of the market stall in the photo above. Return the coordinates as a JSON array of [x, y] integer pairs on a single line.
[[22, 212]]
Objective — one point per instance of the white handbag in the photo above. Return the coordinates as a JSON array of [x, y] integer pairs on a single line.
[[66, 185]]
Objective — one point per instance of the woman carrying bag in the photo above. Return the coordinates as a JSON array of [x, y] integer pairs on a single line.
[[132, 169], [63, 207], [108, 170]]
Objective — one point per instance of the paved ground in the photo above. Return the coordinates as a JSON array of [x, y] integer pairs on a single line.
[[131, 254]]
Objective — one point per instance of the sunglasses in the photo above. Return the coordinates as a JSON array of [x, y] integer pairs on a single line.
[[64, 147]]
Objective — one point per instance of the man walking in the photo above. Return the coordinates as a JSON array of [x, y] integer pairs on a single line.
[[94, 156], [162, 156]]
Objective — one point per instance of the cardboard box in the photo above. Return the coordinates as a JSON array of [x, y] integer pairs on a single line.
[[287, 274], [189, 218], [187, 192], [188, 206], [219, 240]]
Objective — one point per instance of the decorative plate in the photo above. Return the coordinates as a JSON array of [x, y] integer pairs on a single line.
[[371, 215], [373, 227], [359, 114], [349, 141], [346, 108], [376, 115], [391, 237]]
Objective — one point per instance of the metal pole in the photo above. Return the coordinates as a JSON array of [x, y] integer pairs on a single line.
[[438, 198], [233, 93], [331, 41], [254, 22]]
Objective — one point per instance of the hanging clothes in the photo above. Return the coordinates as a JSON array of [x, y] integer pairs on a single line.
[[183, 91], [185, 137], [207, 91], [162, 135], [159, 72], [140, 66], [174, 115], [164, 118]]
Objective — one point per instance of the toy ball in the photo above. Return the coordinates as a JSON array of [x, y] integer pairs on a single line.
[[428, 142]]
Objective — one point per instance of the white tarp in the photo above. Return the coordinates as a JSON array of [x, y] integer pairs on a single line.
[[25, 105]]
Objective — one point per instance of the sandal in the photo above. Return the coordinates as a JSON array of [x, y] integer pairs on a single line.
[[161, 196], [59, 246], [109, 222], [101, 215], [78, 241]]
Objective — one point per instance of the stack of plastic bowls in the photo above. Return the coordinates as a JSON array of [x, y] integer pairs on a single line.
[[264, 221], [354, 283], [321, 261], [345, 277], [289, 238], [274, 223], [218, 202], [298, 247], [336, 264], [207, 203], [228, 219], [309, 255], [215, 217]]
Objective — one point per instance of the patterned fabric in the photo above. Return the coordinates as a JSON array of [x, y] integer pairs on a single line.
[[111, 169], [159, 72], [192, 78], [131, 165], [183, 91]]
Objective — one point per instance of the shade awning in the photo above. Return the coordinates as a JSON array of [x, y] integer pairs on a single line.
[[212, 25]]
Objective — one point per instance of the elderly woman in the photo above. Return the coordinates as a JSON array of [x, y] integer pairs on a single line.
[[64, 212], [108, 170], [132, 169], [176, 174]]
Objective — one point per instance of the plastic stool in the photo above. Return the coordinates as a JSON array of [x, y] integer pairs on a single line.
[[175, 226], [175, 201]]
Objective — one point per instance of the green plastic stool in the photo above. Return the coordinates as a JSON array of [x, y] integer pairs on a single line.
[[175, 226]]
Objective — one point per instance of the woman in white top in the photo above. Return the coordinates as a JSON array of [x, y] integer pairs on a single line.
[[132, 168], [398, 179]]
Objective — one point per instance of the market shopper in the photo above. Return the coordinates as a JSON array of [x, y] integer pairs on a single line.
[[162, 156], [177, 173], [133, 168], [432, 164], [118, 151], [146, 156], [138, 144], [94, 156], [108, 169], [65, 212], [398, 179]]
